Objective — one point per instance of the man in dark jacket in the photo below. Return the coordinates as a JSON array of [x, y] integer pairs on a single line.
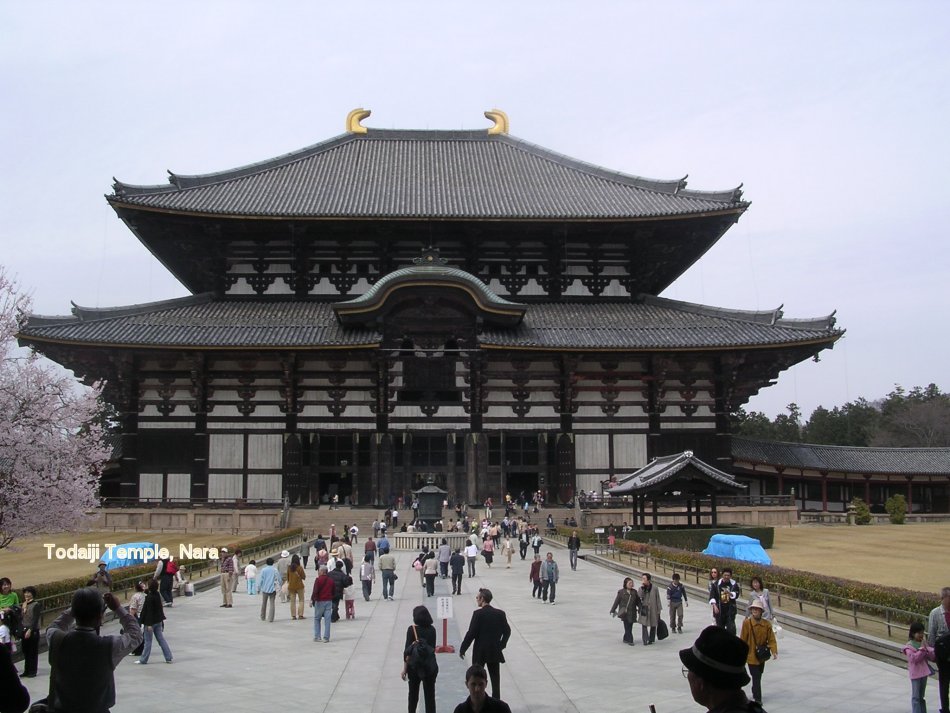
[[457, 564], [489, 630], [723, 597], [341, 580], [81, 661], [573, 546]]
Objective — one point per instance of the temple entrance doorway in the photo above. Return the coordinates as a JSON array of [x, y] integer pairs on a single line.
[[521, 485]]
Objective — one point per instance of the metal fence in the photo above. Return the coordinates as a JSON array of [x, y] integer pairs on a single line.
[[872, 619]]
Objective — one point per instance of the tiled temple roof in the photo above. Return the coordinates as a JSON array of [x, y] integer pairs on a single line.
[[426, 174], [200, 321], [665, 468], [843, 459]]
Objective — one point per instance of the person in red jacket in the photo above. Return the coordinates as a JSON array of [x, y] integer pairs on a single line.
[[322, 602], [534, 574]]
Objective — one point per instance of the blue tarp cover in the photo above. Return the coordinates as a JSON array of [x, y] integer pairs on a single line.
[[135, 553], [737, 547]]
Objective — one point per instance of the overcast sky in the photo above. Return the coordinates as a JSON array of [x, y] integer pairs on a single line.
[[833, 115]]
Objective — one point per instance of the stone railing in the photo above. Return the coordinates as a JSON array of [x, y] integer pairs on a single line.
[[416, 541]]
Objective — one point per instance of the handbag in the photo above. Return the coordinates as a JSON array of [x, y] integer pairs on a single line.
[[662, 631], [762, 652]]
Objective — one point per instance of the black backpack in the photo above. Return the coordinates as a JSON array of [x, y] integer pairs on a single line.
[[421, 661]]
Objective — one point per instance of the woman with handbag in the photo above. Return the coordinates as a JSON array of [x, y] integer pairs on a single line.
[[760, 592], [758, 635], [627, 607]]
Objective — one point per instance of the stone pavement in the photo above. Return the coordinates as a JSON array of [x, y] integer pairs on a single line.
[[566, 658]]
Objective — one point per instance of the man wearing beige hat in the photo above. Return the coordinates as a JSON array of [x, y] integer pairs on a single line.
[[283, 564], [226, 567]]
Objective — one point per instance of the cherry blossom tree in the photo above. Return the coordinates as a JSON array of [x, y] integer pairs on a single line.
[[51, 440]]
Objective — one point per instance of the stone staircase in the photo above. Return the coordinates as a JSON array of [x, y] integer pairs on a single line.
[[316, 521]]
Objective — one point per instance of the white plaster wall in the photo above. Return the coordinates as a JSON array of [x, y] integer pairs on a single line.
[[179, 486], [225, 450], [630, 451], [224, 486], [264, 451], [592, 451], [150, 485], [264, 486]]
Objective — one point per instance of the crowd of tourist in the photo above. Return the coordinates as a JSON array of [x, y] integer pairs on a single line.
[[718, 665]]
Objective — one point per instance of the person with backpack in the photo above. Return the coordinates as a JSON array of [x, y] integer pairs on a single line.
[[938, 637], [419, 664], [341, 580]]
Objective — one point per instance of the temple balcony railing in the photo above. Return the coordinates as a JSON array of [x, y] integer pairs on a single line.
[[222, 503], [626, 502]]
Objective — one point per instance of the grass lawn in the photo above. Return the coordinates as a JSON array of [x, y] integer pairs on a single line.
[[912, 556], [26, 561]]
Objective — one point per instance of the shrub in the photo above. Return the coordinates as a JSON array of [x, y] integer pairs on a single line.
[[808, 585], [862, 513], [696, 540], [896, 507]]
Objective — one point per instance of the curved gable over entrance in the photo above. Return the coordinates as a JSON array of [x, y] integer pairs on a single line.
[[432, 286]]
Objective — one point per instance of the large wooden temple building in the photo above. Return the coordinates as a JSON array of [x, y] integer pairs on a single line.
[[389, 308]]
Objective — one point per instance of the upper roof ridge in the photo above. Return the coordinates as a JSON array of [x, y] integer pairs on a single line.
[[676, 186]]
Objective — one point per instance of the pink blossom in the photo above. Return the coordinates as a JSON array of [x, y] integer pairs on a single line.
[[51, 441]]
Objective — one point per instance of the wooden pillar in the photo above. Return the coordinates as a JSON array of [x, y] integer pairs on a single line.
[[656, 520], [867, 490], [653, 410], [723, 433], [128, 382], [476, 467], [824, 492], [910, 493], [200, 440], [451, 444], [643, 512], [781, 480], [381, 462], [715, 515], [689, 513]]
